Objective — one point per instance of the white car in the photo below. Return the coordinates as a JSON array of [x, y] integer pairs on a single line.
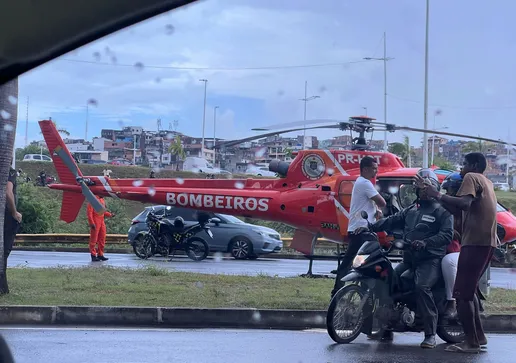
[[504, 187], [260, 171], [199, 165], [36, 157]]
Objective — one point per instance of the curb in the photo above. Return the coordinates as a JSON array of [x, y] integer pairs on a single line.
[[163, 317]]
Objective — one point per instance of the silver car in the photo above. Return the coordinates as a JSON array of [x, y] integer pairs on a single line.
[[242, 240]]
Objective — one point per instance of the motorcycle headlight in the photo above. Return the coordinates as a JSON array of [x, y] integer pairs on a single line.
[[359, 260]]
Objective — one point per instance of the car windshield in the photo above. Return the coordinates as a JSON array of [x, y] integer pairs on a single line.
[[232, 219]]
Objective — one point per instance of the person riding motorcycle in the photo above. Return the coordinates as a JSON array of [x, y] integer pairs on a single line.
[[428, 247]]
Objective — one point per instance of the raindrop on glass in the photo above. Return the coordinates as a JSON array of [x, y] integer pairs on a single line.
[[97, 56], [281, 93], [137, 183], [157, 80], [121, 123], [199, 285], [180, 181], [319, 319], [330, 171], [107, 50], [169, 28], [322, 89], [320, 168], [113, 59], [239, 185], [93, 102], [12, 100], [217, 256], [5, 115], [377, 187], [170, 136], [8, 127], [151, 191], [257, 316], [139, 66], [260, 152]]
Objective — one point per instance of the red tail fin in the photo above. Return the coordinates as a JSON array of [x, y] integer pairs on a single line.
[[53, 140], [71, 206]]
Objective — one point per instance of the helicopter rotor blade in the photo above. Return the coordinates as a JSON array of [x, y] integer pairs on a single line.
[[444, 133], [72, 166], [303, 123], [261, 136]]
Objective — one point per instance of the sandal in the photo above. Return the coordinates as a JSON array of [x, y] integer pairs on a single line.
[[462, 348]]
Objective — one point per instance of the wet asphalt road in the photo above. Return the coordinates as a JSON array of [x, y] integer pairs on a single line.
[[58, 345], [500, 277]]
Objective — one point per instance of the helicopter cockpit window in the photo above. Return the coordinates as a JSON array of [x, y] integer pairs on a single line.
[[407, 195]]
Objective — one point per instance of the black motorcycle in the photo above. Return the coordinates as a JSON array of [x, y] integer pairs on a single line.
[[375, 293], [163, 237]]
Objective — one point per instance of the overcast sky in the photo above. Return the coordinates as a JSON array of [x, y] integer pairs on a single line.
[[471, 73]]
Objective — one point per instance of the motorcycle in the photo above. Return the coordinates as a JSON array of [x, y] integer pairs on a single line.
[[163, 238], [48, 180], [384, 296]]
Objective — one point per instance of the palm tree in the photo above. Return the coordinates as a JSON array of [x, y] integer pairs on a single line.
[[9, 115], [176, 148], [402, 149], [288, 152], [59, 129]]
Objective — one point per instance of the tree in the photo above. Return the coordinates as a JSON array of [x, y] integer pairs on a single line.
[[402, 149], [472, 146], [8, 117], [176, 148], [288, 152]]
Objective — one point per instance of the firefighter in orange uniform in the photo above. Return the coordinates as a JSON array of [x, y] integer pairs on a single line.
[[97, 231]]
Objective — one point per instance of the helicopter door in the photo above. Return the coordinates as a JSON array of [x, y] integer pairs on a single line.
[[343, 201]]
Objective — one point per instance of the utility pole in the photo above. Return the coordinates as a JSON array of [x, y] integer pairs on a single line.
[[203, 116], [384, 59], [365, 108], [306, 99], [214, 127], [175, 125], [27, 124], [425, 135]]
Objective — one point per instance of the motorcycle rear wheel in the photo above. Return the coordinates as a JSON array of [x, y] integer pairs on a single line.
[[338, 306], [197, 249]]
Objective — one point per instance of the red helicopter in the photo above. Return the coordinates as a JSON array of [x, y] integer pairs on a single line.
[[312, 193]]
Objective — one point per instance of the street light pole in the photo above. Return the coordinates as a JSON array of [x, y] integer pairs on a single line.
[[425, 135], [306, 99], [384, 59], [203, 116], [365, 108], [214, 127]]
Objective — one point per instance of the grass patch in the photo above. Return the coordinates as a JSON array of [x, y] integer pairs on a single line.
[[155, 286]]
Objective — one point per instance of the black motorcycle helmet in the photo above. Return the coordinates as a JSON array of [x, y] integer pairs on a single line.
[[452, 183], [431, 176], [179, 222]]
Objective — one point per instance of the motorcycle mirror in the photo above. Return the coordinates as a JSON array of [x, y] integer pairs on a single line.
[[216, 220], [364, 214], [421, 227]]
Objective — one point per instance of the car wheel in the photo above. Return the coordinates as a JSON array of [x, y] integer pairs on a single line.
[[241, 248]]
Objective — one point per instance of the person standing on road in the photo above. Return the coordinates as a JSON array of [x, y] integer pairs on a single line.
[[364, 197], [97, 231], [476, 200], [12, 217]]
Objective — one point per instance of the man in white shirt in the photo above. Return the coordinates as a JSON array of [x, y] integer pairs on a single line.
[[364, 197]]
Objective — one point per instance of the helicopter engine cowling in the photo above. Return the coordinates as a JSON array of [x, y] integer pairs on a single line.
[[280, 167]]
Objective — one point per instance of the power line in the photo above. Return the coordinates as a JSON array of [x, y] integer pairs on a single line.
[[139, 64], [455, 106]]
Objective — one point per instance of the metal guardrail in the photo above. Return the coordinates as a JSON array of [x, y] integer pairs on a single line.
[[113, 239]]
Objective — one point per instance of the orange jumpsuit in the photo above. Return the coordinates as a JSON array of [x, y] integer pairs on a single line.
[[97, 234]]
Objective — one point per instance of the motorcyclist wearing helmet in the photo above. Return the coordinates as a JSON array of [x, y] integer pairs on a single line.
[[451, 186], [428, 247]]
